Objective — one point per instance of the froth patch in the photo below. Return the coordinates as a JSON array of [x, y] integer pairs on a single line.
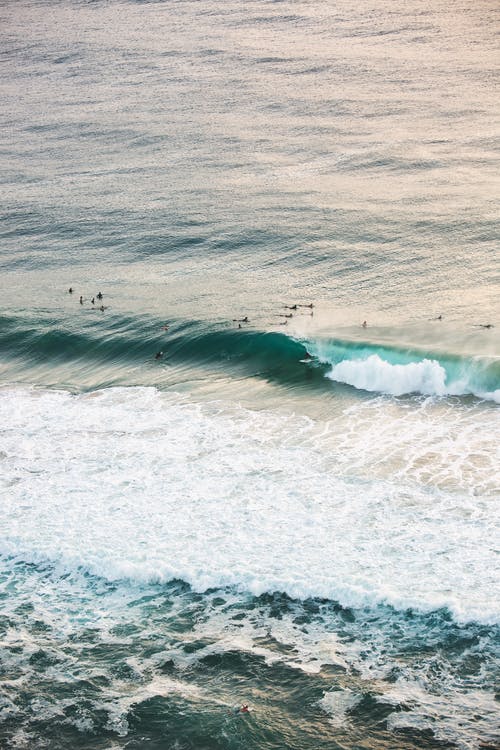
[[132, 483], [427, 377]]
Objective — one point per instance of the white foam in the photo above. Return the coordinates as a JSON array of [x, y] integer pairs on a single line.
[[426, 377], [465, 718], [132, 483], [338, 703], [375, 374]]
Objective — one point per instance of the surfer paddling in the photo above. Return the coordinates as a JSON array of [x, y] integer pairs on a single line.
[[244, 709], [241, 320]]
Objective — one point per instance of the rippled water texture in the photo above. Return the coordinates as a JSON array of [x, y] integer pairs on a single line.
[[263, 468]]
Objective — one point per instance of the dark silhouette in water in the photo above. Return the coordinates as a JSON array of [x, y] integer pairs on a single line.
[[291, 307], [93, 300], [81, 300], [70, 290], [309, 305], [484, 325], [99, 295], [285, 315], [364, 324], [241, 320], [158, 355]]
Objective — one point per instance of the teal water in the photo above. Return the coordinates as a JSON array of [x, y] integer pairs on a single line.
[[287, 509]]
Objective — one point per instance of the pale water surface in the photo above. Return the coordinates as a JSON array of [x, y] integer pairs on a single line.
[[300, 514]]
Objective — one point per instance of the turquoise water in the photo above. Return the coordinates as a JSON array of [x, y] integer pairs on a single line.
[[287, 508]]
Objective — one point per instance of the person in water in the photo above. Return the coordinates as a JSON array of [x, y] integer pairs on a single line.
[[291, 307], [81, 300], [70, 290], [241, 320], [93, 300], [99, 295], [364, 324], [158, 355]]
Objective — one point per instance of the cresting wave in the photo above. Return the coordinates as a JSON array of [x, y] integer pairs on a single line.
[[135, 483], [119, 341], [397, 372]]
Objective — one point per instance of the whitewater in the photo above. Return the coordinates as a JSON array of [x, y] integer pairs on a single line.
[[133, 483], [252, 457]]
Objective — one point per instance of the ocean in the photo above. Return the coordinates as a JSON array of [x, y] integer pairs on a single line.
[[252, 457]]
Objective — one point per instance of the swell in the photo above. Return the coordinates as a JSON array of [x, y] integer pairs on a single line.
[[129, 344], [398, 371]]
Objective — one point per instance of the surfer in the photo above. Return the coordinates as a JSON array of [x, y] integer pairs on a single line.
[[99, 295], [241, 320], [485, 325], [307, 356], [81, 300], [244, 709], [291, 307], [364, 324], [70, 290], [310, 305], [165, 328], [102, 308], [93, 300], [285, 315], [158, 355]]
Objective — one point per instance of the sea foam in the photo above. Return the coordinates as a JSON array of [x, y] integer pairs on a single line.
[[135, 483], [427, 377]]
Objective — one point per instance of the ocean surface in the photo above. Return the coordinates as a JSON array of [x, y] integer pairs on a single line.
[[294, 506]]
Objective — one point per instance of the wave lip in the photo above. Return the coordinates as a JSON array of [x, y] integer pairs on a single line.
[[397, 373], [427, 377]]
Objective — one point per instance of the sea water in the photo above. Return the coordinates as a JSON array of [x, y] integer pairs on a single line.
[[295, 513]]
